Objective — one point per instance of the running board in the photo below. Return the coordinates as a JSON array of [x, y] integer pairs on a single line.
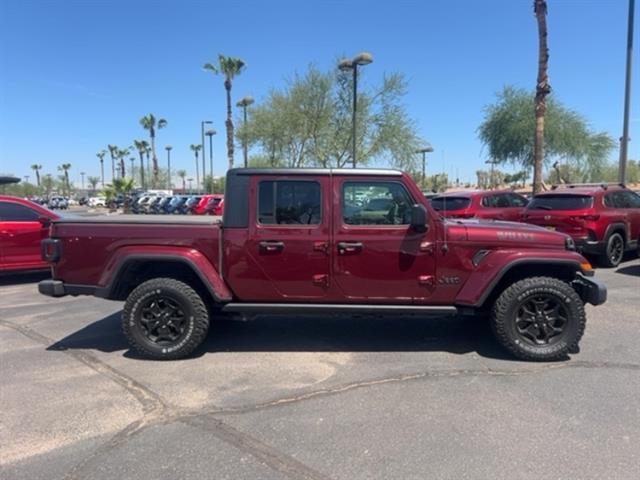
[[320, 308]]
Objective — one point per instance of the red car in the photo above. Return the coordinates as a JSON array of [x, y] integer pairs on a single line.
[[208, 204], [323, 241], [603, 220], [491, 204], [23, 225]]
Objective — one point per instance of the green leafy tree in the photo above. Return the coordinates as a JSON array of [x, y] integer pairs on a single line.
[[309, 123], [230, 68], [150, 124], [509, 126]]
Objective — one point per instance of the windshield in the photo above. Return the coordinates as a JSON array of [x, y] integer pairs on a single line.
[[450, 203], [561, 202]]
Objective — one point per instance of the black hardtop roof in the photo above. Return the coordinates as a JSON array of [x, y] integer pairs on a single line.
[[383, 172]]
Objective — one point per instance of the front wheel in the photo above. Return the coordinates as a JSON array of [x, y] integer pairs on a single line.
[[539, 319], [165, 319]]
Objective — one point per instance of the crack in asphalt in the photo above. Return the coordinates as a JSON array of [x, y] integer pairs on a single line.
[[158, 412]]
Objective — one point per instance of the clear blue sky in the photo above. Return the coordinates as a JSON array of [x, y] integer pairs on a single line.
[[77, 75]]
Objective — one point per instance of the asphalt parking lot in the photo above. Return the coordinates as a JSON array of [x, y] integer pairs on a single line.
[[314, 398]]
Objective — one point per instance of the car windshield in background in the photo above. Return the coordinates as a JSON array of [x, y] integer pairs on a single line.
[[561, 202], [450, 203]]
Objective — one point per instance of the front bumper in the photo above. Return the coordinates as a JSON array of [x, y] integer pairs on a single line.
[[52, 288], [590, 290]]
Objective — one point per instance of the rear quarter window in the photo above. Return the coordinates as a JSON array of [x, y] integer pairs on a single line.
[[561, 202], [450, 203]]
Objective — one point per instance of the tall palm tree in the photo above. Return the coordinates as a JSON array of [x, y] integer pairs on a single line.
[[122, 153], [93, 181], [101, 155], [230, 67], [113, 152], [141, 146], [543, 88], [36, 168], [65, 167], [149, 123], [182, 174], [196, 149]]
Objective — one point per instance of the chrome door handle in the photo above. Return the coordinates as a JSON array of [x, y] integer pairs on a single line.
[[349, 247], [271, 246]]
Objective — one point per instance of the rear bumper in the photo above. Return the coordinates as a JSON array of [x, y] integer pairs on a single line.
[[591, 247], [590, 290]]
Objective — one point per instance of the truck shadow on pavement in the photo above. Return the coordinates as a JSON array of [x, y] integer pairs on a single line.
[[22, 278], [633, 270], [456, 335]]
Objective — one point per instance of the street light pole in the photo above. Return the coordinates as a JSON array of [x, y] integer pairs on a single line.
[[361, 59], [202, 123], [624, 141], [82, 174], [244, 103], [168, 149], [210, 133], [424, 152]]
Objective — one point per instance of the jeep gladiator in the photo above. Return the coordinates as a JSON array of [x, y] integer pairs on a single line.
[[324, 241]]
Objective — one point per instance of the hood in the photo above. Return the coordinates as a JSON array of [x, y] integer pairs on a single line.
[[506, 234]]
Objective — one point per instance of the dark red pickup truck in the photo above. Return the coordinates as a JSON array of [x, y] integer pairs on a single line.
[[324, 241]]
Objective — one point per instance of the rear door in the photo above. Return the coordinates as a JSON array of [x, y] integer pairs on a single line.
[[377, 257], [20, 236], [287, 249]]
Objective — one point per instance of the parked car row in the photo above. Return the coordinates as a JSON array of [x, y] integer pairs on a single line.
[[55, 202], [210, 204], [602, 219]]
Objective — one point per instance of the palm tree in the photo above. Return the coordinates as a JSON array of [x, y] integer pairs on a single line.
[[65, 169], [182, 174], [141, 146], [121, 156], [101, 155], [148, 122], [36, 168], [147, 151], [542, 90], [113, 151], [196, 149], [120, 186], [229, 67], [93, 181]]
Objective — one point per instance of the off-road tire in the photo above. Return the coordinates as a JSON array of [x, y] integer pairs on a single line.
[[195, 314], [609, 258], [507, 308]]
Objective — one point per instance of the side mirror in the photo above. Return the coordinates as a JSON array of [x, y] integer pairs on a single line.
[[419, 218], [44, 221]]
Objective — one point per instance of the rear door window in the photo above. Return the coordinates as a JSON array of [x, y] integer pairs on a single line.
[[285, 202], [517, 200], [450, 203], [561, 202]]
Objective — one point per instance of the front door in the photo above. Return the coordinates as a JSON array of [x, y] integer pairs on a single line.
[[378, 258], [288, 243], [20, 237]]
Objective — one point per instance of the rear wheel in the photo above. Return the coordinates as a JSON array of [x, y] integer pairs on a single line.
[[165, 319], [614, 251], [539, 318]]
